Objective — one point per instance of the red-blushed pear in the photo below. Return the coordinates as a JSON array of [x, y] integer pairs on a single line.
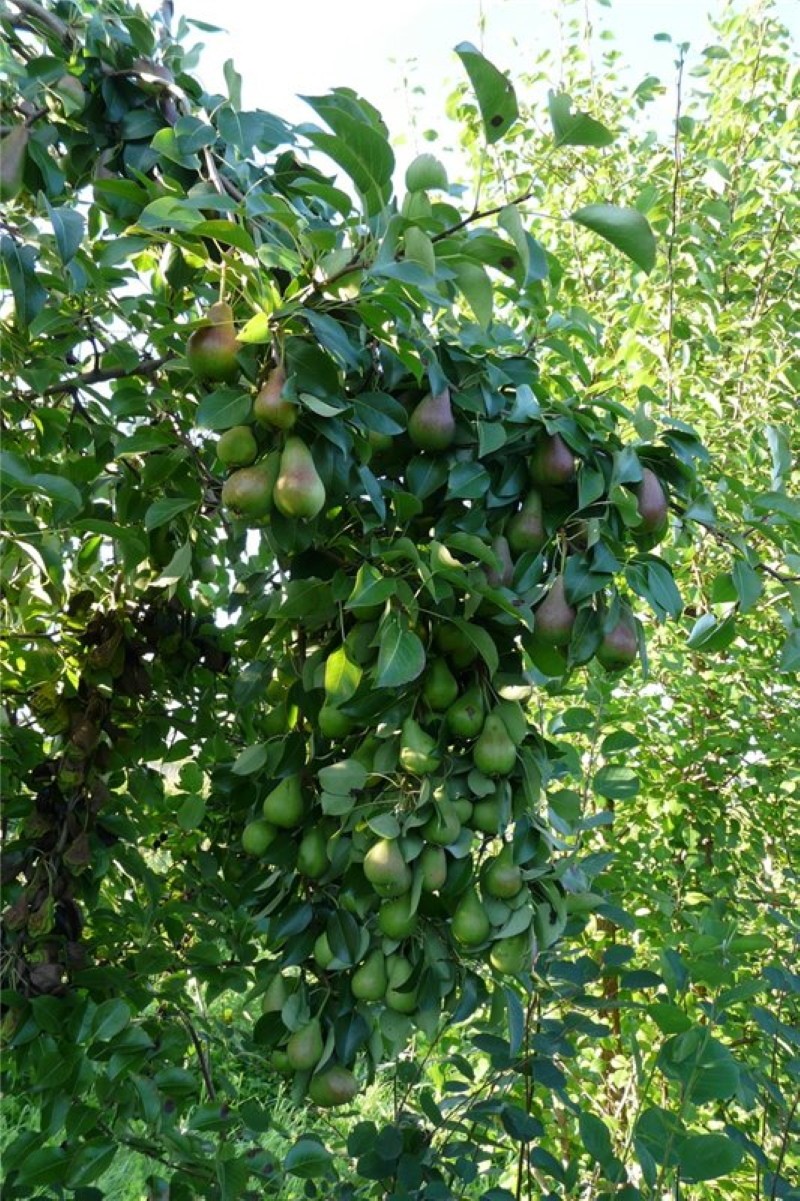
[[211, 350], [248, 491], [651, 503], [432, 425], [298, 491], [525, 530], [554, 617], [552, 463], [237, 447], [333, 1086], [619, 646], [502, 575], [269, 407]]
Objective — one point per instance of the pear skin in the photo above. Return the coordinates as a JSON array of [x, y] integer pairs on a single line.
[[494, 754], [211, 350], [554, 617], [525, 530], [432, 425], [651, 502], [552, 463], [269, 407], [298, 491]]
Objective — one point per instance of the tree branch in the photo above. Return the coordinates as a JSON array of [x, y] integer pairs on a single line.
[[100, 376], [50, 21]]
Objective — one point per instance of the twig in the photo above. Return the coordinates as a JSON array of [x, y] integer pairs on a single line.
[[100, 376], [201, 1056], [673, 230], [49, 20]]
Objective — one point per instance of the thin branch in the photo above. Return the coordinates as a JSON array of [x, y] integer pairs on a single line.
[[201, 1056], [49, 20], [223, 185], [673, 229], [100, 376]]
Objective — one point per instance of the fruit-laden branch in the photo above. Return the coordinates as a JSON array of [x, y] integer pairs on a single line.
[[100, 376]]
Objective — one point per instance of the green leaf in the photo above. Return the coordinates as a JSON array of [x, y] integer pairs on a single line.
[[476, 287], [228, 233], [110, 1018], [790, 653], [162, 512], [222, 409], [19, 264], [481, 640], [169, 213], [575, 128], [357, 144], [624, 228], [68, 227], [494, 92], [747, 583], [595, 1137], [342, 677], [616, 783], [708, 1156], [191, 813], [704, 1066], [341, 779], [370, 590], [308, 1159], [250, 760], [401, 656]]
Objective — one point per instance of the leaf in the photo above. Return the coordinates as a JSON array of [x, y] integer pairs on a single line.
[[494, 92], [616, 783], [708, 1156], [68, 227], [250, 760], [481, 640], [191, 813], [380, 412], [228, 233], [341, 779], [401, 656], [222, 409], [624, 228], [704, 1066], [342, 677], [308, 1159], [19, 263], [357, 145], [169, 213], [162, 512], [595, 1137], [110, 1018], [747, 583], [476, 287], [575, 128]]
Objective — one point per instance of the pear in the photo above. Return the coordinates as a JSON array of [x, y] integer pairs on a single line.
[[312, 854], [333, 723], [304, 1048], [444, 827], [439, 686], [248, 491], [369, 981], [554, 617], [396, 917], [454, 643], [298, 492], [13, 149], [501, 576], [486, 816], [651, 503], [525, 530], [432, 425], [211, 350], [323, 955], [334, 1086], [417, 749], [284, 806], [494, 754], [552, 462], [620, 645], [511, 955], [433, 868], [276, 994], [398, 997], [237, 447], [470, 925], [463, 807], [464, 718], [386, 869], [501, 877], [257, 836], [269, 406]]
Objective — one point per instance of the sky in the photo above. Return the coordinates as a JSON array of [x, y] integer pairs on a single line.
[[309, 46]]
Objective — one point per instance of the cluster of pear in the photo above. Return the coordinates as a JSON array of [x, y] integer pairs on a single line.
[[286, 480]]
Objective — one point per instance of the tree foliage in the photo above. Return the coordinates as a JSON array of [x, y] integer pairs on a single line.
[[319, 764]]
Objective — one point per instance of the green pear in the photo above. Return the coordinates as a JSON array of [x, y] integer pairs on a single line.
[[312, 854], [432, 425], [463, 807], [503, 574], [257, 836], [439, 687], [369, 981], [501, 877], [237, 447], [397, 918], [386, 869], [651, 503], [486, 816], [248, 491], [525, 530], [424, 172], [418, 752], [333, 723], [304, 1048], [494, 754], [323, 955], [620, 646], [433, 868], [298, 492], [284, 806], [269, 407], [13, 150], [552, 462], [279, 1061], [464, 718], [211, 350], [470, 925], [444, 827], [277, 993], [511, 955], [554, 617], [333, 1086], [398, 996], [454, 643]]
